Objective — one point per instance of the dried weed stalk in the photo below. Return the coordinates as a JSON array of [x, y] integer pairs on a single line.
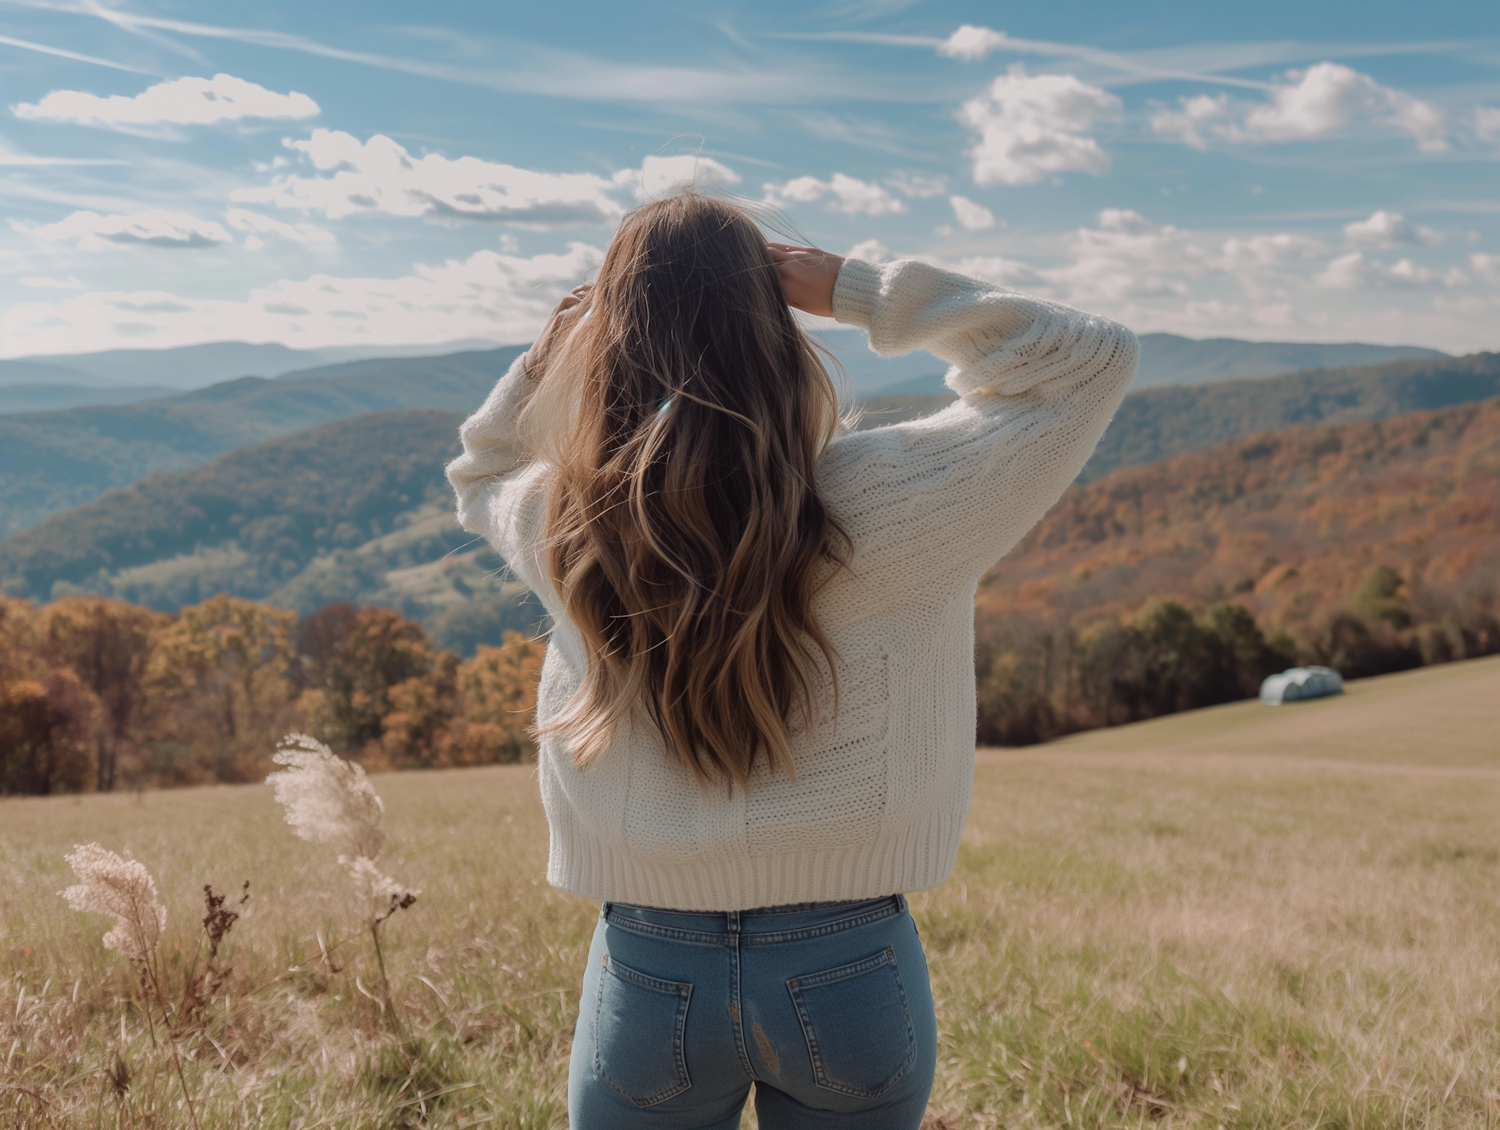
[[124, 889], [330, 800]]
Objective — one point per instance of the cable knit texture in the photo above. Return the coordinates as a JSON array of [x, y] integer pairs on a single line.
[[881, 790]]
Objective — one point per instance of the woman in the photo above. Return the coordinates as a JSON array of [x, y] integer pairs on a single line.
[[756, 715]]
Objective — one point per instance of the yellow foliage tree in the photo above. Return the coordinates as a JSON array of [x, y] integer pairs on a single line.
[[497, 693], [107, 644], [223, 670]]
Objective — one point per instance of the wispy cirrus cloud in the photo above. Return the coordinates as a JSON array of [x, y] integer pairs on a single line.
[[74, 56], [183, 101]]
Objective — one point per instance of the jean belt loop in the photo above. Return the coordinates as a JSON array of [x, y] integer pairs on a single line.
[[732, 921], [901, 903], [604, 908]]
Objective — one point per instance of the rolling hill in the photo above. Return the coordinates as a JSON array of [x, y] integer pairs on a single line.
[[1288, 522], [1155, 423], [355, 509], [1168, 360], [52, 461]]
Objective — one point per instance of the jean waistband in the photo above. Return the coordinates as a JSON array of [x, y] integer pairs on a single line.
[[762, 926]]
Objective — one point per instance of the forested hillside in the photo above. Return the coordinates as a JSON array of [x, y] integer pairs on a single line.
[[55, 460], [1155, 423], [352, 510], [1368, 546]]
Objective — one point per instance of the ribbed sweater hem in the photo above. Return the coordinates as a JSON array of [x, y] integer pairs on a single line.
[[913, 860]]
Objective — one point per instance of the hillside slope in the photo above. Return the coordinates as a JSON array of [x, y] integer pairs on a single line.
[[355, 509], [1290, 522], [52, 461], [1433, 719], [1156, 423]]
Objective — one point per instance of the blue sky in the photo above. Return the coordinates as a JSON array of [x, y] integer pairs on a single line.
[[334, 173]]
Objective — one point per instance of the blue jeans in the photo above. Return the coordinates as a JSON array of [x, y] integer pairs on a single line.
[[825, 1007]]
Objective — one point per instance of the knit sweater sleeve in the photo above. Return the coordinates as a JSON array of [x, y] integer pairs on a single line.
[[488, 477], [944, 497]]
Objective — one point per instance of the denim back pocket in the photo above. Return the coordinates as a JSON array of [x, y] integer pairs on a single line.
[[639, 1023], [857, 1025]]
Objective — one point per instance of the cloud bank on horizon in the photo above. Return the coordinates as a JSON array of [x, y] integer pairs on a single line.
[[298, 175]]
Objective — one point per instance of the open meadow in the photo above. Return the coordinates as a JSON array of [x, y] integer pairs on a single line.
[[1239, 917]]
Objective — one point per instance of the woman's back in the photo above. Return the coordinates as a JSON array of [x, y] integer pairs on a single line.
[[880, 771]]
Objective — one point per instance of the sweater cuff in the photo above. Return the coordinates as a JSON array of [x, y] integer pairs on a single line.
[[856, 292]]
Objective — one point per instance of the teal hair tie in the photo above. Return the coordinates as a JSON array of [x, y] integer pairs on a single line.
[[665, 404]]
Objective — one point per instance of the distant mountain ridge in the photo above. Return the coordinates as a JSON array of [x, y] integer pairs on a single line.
[[1168, 359], [55, 460], [196, 366]]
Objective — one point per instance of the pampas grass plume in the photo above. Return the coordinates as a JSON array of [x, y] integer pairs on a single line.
[[123, 889], [327, 799]]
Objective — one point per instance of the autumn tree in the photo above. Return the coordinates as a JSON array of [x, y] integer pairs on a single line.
[[224, 669], [48, 720], [107, 645], [352, 659], [497, 702]]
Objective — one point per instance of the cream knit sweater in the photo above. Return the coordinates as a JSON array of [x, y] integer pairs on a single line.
[[881, 790]]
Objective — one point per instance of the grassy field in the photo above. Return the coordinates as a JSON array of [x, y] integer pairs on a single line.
[[1244, 917]]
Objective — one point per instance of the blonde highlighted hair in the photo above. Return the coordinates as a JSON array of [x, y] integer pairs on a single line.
[[683, 419]]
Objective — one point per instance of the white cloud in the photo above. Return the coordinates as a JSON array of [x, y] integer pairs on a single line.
[[503, 298], [871, 251], [154, 228], [43, 282], [1390, 229], [1032, 126], [659, 177], [257, 225], [381, 176], [918, 185], [997, 269], [1485, 266], [1257, 253], [1198, 113], [183, 101], [1356, 271], [1487, 123], [974, 217], [1325, 99], [1129, 256], [850, 195], [970, 42]]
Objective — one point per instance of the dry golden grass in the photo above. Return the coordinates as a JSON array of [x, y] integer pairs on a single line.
[[1244, 917]]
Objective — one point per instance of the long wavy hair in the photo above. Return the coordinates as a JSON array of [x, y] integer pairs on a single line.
[[683, 419]]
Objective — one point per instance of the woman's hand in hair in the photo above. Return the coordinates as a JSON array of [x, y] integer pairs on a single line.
[[567, 314], [807, 276]]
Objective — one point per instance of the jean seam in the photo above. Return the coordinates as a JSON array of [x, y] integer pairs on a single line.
[[810, 1034], [679, 989]]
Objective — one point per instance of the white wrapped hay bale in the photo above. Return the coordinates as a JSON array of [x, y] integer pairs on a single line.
[[1299, 683]]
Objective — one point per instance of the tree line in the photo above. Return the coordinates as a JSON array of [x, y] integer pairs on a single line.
[[104, 694], [1039, 677]]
